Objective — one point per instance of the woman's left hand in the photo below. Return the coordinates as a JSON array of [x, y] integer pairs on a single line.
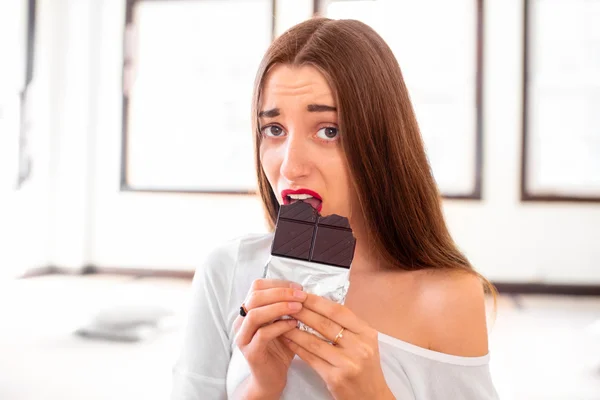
[[351, 368]]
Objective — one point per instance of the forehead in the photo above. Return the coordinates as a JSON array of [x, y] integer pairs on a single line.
[[299, 83]]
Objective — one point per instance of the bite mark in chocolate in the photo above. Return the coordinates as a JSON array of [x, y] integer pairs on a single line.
[[335, 221], [302, 233], [298, 211]]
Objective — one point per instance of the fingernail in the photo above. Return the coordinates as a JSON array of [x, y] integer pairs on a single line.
[[299, 294], [295, 285], [295, 306]]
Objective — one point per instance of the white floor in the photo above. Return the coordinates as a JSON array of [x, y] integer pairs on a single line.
[[542, 347], [547, 348], [41, 359]]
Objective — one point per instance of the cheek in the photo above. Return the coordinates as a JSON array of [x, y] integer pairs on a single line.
[[270, 163], [346, 189], [338, 179]]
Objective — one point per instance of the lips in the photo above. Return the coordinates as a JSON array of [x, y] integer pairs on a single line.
[[316, 201]]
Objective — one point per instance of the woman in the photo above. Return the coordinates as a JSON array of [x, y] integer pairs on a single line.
[[333, 120]]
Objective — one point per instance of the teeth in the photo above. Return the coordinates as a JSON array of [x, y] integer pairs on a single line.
[[300, 196]]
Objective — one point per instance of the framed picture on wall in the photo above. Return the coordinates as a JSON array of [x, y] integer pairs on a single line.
[[561, 101]]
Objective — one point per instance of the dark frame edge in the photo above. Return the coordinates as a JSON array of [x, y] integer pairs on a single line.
[[479, 104], [32, 9], [150, 190], [123, 184], [547, 288], [525, 100]]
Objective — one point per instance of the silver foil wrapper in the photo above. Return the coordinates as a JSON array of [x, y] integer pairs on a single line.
[[323, 280]]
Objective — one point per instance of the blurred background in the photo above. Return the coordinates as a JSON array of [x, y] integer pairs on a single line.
[[126, 156]]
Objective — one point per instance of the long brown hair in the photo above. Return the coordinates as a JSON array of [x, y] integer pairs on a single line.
[[384, 151]]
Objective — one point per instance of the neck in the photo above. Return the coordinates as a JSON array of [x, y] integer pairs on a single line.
[[366, 259]]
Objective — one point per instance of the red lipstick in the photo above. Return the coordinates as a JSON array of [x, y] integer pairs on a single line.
[[286, 200]]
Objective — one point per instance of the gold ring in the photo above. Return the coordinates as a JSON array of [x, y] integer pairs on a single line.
[[338, 337]]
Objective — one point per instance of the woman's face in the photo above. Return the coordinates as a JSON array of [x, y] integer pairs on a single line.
[[300, 149]]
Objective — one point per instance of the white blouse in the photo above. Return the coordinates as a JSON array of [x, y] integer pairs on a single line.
[[211, 366]]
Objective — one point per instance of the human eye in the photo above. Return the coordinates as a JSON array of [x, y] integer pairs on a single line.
[[328, 133], [272, 131]]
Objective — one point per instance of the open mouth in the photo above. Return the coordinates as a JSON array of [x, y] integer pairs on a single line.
[[305, 195]]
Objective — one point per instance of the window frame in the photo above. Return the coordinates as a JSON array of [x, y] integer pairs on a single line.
[[476, 192], [318, 7], [527, 195], [125, 186]]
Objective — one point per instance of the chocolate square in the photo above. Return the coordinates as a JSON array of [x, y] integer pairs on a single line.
[[333, 246], [293, 239]]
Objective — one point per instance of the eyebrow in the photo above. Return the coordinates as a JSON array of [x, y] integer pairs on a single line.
[[320, 108], [269, 113], [275, 112]]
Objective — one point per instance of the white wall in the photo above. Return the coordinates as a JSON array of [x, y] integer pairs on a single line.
[[149, 230], [92, 222], [506, 239]]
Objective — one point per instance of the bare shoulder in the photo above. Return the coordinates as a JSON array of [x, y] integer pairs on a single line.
[[453, 304]]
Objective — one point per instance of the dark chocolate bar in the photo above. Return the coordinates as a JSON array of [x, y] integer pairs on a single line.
[[302, 233]]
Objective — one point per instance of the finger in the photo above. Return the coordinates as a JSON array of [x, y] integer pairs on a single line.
[[332, 355], [326, 327], [269, 332], [258, 317], [265, 297], [262, 284], [336, 312], [316, 362], [237, 323]]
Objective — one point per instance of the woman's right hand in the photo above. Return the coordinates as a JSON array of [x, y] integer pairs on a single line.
[[259, 338]]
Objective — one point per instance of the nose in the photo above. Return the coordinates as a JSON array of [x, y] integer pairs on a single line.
[[296, 162]]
